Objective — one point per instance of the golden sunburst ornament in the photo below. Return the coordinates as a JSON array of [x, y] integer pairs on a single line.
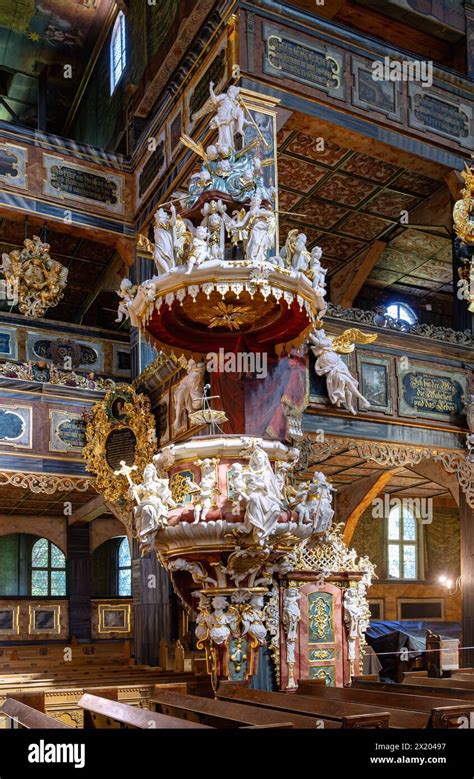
[[230, 316]]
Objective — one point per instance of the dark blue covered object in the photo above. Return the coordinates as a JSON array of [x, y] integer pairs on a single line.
[[388, 639]]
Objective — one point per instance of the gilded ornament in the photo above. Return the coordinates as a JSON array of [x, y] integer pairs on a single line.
[[36, 281]]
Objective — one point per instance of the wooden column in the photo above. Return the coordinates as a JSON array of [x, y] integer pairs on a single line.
[[466, 515], [79, 581], [151, 608]]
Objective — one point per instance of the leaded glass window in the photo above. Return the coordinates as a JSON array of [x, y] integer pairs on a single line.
[[48, 570], [402, 541], [124, 569], [118, 51]]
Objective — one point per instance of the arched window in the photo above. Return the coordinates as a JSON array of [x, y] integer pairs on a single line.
[[124, 569], [118, 51], [402, 312], [48, 569], [402, 539]]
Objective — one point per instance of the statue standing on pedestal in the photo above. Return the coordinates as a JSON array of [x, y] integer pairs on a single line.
[[164, 240], [260, 225], [290, 618], [154, 501], [229, 119]]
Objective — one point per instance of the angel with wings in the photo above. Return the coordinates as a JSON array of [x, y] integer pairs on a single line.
[[343, 388]]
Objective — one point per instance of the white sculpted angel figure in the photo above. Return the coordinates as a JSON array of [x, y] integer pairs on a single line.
[[229, 119], [125, 292], [265, 502], [199, 249], [207, 488], [154, 501], [341, 385], [252, 620], [164, 253], [260, 224], [318, 272]]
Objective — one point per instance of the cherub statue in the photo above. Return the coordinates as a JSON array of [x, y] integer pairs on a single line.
[[164, 252], [207, 488], [260, 224], [154, 501], [125, 292], [237, 485], [318, 272], [341, 385], [214, 222], [199, 250]]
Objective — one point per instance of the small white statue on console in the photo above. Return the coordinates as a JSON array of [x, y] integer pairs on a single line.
[[237, 484], [164, 253], [214, 222], [341, 385], [207, 488], [125, 292], [199, 251], [294, 254], [260, 224], [325, 513], [318, 272]]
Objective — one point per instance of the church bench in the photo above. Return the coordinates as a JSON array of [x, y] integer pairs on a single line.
[[24, 716], [223, 714], [449, 683], [347, 715], [414, 689], [451, 708], [462, 677], [334, 709], [104, 713]]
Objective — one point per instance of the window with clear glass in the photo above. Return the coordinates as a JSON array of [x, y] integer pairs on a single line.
[[402, 313], [48, 570], [402, 540], [124, 569], [118, 51]]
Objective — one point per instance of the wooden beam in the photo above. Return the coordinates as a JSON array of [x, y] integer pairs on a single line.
[[435, 471], [454, 183], [88, 511], [348, 281], [353, 500]]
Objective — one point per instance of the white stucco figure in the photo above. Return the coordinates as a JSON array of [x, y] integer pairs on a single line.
[[237, 484], [125, 292], [295, 255], [341, 385], [318, 272], [259, 224], [252, 620], [164, 252], [213, 220], [188, 393], [207, 488], [264, 496], [353, 611], [290, 618], [154, 501], [229, 119], [199, 250]]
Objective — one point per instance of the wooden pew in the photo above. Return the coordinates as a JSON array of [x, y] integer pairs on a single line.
[[223, 714], [414, 689], [434, 684], [23, 716], [104, 713], [349, 714], [439, 709]]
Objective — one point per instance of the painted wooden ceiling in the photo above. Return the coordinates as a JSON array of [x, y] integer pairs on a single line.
[[344, 200]]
